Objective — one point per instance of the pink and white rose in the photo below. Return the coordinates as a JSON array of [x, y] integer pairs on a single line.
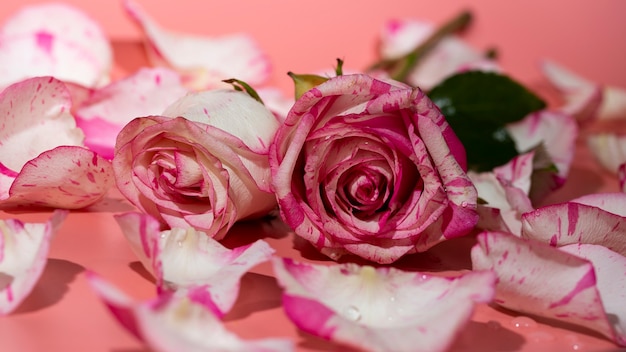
[[371, 168], [203, 164]]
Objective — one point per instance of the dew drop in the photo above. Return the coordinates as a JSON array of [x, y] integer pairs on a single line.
[[163, 235], [179, 243], [327, 137], [524, 323], [464, 204], [352, 313]]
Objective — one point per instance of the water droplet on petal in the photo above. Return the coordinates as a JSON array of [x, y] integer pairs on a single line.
[[523, 322], [163, 235], [464, 204], [352, 313], [179, 243], [327, 137]]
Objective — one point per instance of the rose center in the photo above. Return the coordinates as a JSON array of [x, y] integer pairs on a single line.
[[364, 190]]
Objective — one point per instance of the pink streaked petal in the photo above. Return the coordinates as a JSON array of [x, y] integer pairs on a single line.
[[177, 321], [611, 202], [203, 61], [35, 118], [185, 258], [67, 177], [557, 132], [582, 97], [609, 149], [54, 40], [535, 278], [376, 309], [572, 222], [23, 256], [610, 269], [105, 112]]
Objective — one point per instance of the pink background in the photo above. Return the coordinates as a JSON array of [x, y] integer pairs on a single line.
[[305, 36], [63, 314]]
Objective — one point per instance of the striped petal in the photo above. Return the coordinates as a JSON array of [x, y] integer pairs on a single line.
[[179, 321], [382, 309], [23, 256], [185, 258]]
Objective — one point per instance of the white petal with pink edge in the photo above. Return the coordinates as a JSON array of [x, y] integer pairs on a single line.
[[203, 61], [382, 309], [36, 117], [185, 258], [580, 221], [582, 97], [537, 279], [505, 191], [179, 321], [68, 177], [54, 40], [451, 55], [107, 110], [609, 149], [556, 131], [23, 256]]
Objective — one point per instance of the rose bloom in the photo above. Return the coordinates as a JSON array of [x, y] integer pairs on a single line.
[[203, 164], [371, 168]]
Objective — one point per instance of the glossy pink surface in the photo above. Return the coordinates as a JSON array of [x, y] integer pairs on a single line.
[[63, 314]]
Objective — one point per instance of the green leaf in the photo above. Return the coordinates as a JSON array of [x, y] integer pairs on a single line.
[[478, 105]]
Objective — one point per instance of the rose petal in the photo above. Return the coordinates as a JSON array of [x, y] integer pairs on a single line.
[[182, 258], [534, 278], [35, 118], [54, 40], [556, 131], [451, 54], [67, 177], [582, 97], [382, 309], [177, 322], [103, 115], [610, 270], [203, 61], [23, 256], [572, 222], [609, 149]]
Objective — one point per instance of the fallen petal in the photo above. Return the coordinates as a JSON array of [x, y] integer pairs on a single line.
[[576, 222], [185, 258], [67, 177], [54, 40], [609, 149], [202, 61], [382, 309], [582, 97], [535, 278], [23, 256], [178, 322], [36, 117], [107, 110]]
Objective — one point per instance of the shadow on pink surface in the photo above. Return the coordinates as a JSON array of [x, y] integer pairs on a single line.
[[52, 286]]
